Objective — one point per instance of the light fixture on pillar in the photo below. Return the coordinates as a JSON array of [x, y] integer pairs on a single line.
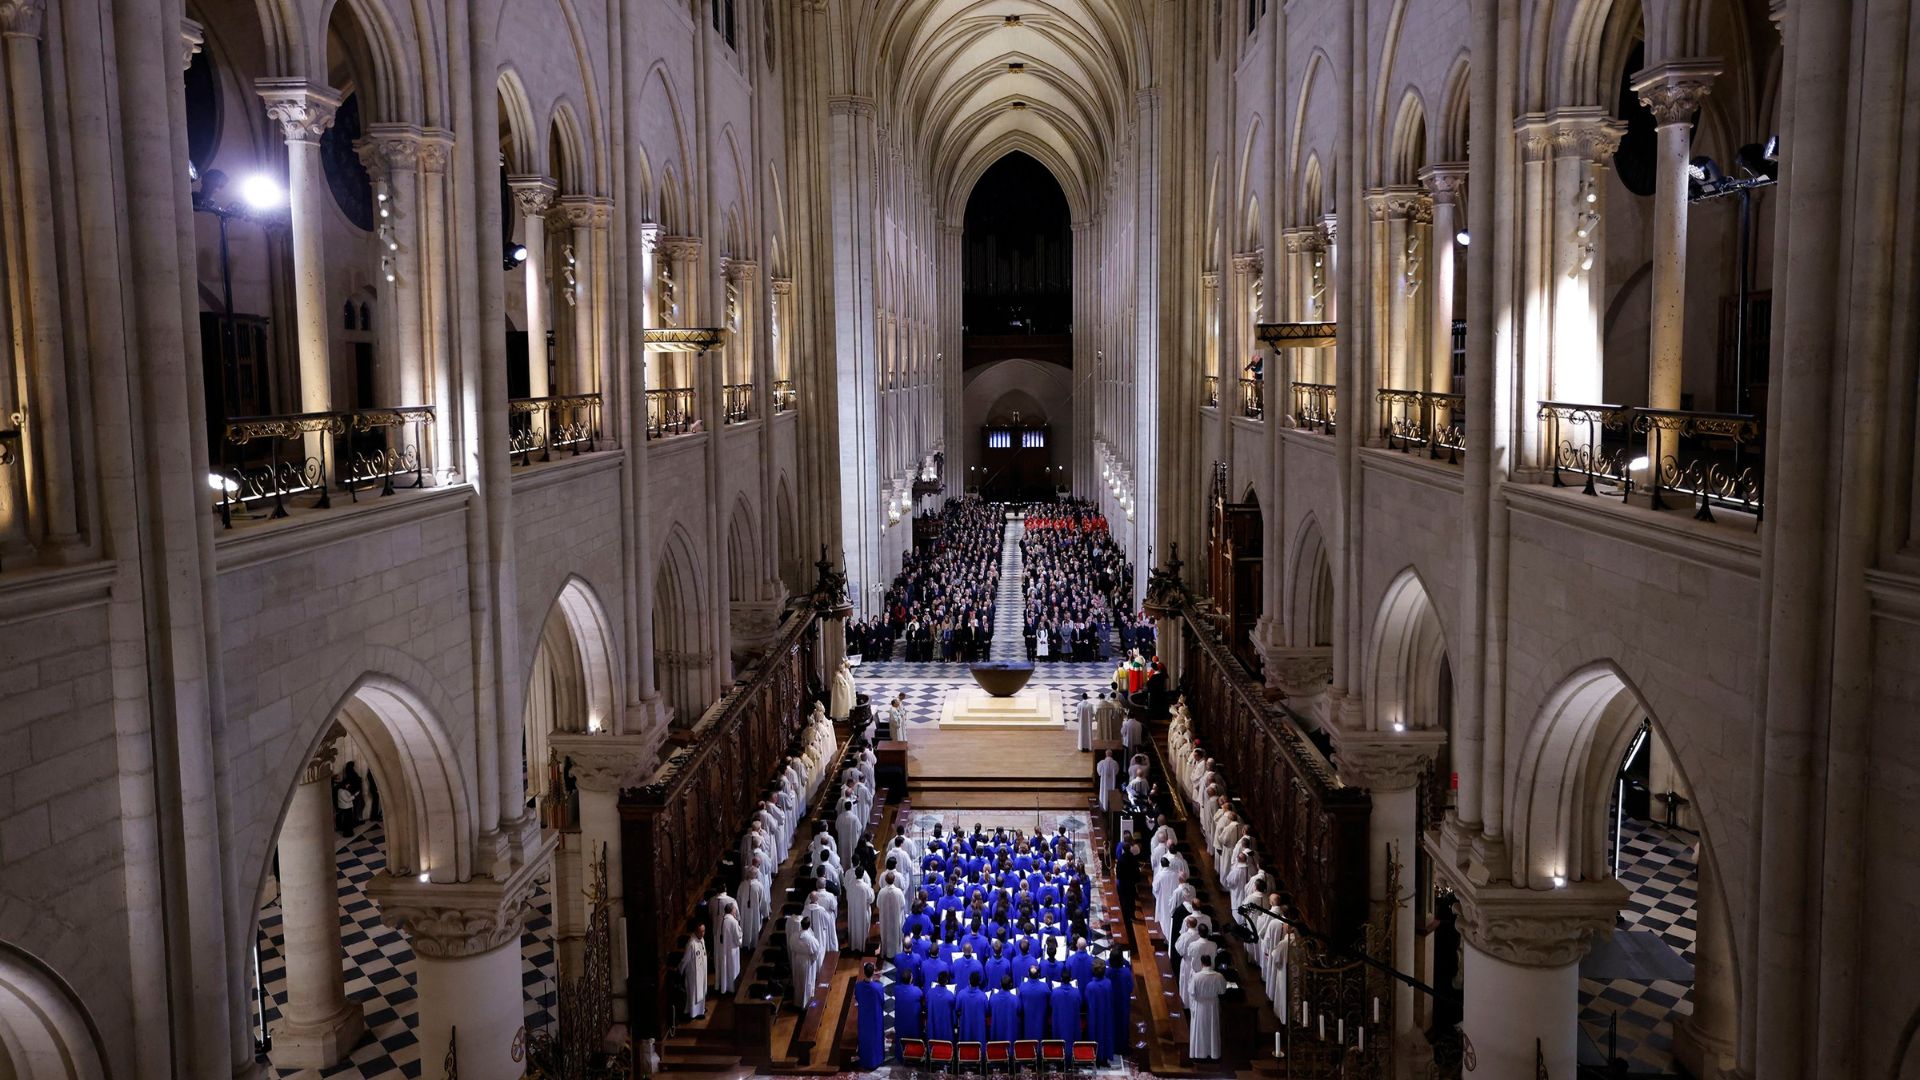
[[1463, 238], [384, 231], [1589, 217], [567, 263], [516, 254]]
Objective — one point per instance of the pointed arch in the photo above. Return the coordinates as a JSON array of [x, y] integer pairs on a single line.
[[1405, 656], [680, 632], [743, 553], [1309, 603], [573, 680], [1456, 102], [793, 568], [1409, 146], [45, 1032], [567, 151], [516, 116]]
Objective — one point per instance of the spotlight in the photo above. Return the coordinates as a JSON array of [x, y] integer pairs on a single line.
[[262, 192], [221, 484], [516, 254], [1463, 238], [1704, 177], [1760, 161], [1559, 881]]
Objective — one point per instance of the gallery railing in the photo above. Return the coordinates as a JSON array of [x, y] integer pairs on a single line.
[[280, 458], [1313, 406], [785, 397], [670, 412], [1709, 459], [1435, 422], [563, 421], [1252, 398], [1210, 390], [737, 402]]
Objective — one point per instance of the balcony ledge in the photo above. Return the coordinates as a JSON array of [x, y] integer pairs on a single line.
[[1718, 544], [306, 529]]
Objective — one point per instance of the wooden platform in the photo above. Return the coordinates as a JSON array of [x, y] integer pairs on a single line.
[[997, 769]]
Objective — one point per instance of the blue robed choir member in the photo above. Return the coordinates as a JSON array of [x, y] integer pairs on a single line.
[[1033, 1009], [940, 1009], [906, 1013], [1003, 1012], [1065, 1010], [1099, 1000], [870, 1002], [973, 1012]]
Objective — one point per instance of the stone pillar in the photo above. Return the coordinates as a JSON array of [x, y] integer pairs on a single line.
[[1301, 676], [1673, 92], [304, 111], [467, 968], [1584, 141], [48, 424], [1705, 1040], [1390, 765], [1522, 970], [435, 265], [602, 766], [576, 217], [1445, 183], [391, 153], [318, 1026], [532, 195]]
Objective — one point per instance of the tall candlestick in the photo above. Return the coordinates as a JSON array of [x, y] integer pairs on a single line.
[[1363, 1040], [1276, 1045], [1340, 1031], [1376, 1009], [1303, 1014], [1323, 1027]]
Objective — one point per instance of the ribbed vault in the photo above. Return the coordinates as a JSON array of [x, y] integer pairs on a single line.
[[966, 81]]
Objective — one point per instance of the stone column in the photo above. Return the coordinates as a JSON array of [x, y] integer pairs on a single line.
[[1390, 765], [1521, 975], [304, 111], [532, 195], [48, 424], [318, 1026], [1704, 1041], [434, 266], [1584, 141], [467, 967], [391, 153], [1301, 675], [1673, 92], [1210, 315], [1445, 183], [602, 766], [576, 217]]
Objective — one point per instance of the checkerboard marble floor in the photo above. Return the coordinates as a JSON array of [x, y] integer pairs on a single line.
[[379, 968], [1661, 866], [926, 685]]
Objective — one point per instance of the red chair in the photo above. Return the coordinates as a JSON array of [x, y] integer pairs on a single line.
[[912, 1051], [1000, 1055], [969, 1056], [1026, 1053], [1053, 1054], [940, 1055], [1086, 1056]]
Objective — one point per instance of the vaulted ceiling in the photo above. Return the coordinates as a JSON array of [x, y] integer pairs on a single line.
[[968, 80]]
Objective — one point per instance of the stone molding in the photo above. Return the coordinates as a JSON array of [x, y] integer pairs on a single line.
[[1539, 927], [1299, 673], [389, 148], [1445, 182], [575, 211], [303, 109], [781, 286], [453, 921], [532, 195], [1210, 279], [436, 145], [1384, 760], [672, 658], [678, 248], [1673, 91], [1534, 136], [739, 269], [1249, 262], [850, 105], [607, 763], [193, 38], [26, 19]]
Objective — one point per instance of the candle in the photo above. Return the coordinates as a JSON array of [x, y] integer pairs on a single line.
[[1276, 1045], [1363, 1040], [1340, 1031], [1323, 1027], [1376, 1009], [1303, 1014]]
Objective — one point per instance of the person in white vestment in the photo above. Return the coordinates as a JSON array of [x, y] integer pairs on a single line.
[[849, 824], [693, 972], [1109, 770], [1275, 941], [891, 904], [753, 900], [803, 949], [1189, 933], [1203, 1013], [842, 703], [1182, 896], [731, 936], [1106, 717], [1084, 715], [1201, 950], [1165, 880], [859, 912], [826, 921], [1132, 733]]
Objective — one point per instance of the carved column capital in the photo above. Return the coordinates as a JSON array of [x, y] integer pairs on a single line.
[[1539, 927], [436, 145], [573, 211], [532, 195], [389, 148], [607, 762], [740, 270], [193, 38], [850, 105], [1210, 280], [23, 18], [1299, 673], [680, 249], [1534, 136], [304, 110], [782, 286], [455, 920], [1249, 262], [320, 768], [1384, 760], [1589, 134], [1673, 91], [1445, 182]]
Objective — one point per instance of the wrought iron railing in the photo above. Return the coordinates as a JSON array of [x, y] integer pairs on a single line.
[[280, 458], [1437, 422], [1252, 398], [737, 402], [1709, 459], [1210, 390], [671, 412], [1313, 406], [785, 397], [563, 421]]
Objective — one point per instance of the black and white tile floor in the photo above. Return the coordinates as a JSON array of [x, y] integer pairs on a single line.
[[379, 968], [1660, 866]]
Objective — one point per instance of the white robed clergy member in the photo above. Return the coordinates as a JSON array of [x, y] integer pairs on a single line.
[[842, 703], [1203, 1011], [804, 950], [823, 910], [731, 936], [753, 900], [1132, 733], [891, 904], [1275, 941], [1165, 880], [848, 824], [859, 911], [693, 972], [1085, 715], [1202, 950], [1182, 896], [1109, 770], [1106, 717]]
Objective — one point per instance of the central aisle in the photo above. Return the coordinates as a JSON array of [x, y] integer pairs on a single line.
[[1010, 603]]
